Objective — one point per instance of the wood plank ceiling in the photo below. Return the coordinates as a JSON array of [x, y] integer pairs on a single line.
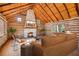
[[46, 12]]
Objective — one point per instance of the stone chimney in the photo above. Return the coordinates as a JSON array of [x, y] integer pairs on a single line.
[[30, 19]]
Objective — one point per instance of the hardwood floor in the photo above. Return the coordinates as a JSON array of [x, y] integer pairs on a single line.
[[75, 52], [8, 49]]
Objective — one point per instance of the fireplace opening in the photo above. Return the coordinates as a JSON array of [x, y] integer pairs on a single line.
[[30, 34]]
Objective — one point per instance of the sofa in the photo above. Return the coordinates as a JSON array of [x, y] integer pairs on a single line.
[[56, 45]]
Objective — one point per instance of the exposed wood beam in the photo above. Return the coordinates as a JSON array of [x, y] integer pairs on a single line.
[[39, 17], [72, 9], [5, 4], [67, 10], [41, 14], [55, 11], [58, 11], [52, 12], [16, 13], [45, 18], [14, 8], [76, 7], [46, 12]]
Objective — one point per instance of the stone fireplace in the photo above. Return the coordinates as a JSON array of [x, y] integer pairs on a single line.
[[30, 23], [26, 31]]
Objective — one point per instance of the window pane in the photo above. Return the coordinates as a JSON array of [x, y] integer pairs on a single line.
[[61, 27]]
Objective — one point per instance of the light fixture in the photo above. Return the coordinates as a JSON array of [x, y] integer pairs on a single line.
[[68, 32], [19, 19]]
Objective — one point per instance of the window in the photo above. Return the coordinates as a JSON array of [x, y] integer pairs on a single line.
[[61, 27], [54, 28], [2, 27], [58, 28]]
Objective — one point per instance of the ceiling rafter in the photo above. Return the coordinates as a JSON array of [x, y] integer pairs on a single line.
[[5, 4], [14, 8], [72, 9], [46, 19], [52, 7], [13, 16], [67, 10], [46, 12], [16, 13], [43, 12], [42, 15], [52, 12], [41, 18], [18, 9], [38, 17], [58, 11]]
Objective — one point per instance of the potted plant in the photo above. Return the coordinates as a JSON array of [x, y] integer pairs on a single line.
[[11, 32], [42, 31]]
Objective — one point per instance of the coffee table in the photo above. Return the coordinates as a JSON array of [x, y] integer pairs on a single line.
[[26, 50], [26, 46]]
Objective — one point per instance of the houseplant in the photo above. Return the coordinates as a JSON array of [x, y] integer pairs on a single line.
[[11, 32], [42, 31]]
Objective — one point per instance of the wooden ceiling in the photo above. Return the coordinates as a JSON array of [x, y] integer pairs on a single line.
[[46, 12]]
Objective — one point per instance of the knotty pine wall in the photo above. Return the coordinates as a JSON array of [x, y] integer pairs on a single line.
[[18, 25], [70, 25], [73, 25]]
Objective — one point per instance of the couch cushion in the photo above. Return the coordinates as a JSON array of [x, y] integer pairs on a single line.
[[51, 40], [70, 36]]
